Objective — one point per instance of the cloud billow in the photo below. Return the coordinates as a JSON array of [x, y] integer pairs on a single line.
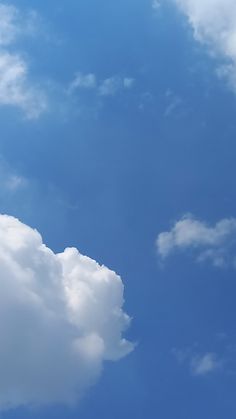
[[61, 317]]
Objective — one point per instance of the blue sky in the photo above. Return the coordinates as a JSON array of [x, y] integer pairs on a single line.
[[117, 137]]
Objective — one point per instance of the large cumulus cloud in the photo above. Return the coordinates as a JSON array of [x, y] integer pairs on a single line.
[[60, 317]]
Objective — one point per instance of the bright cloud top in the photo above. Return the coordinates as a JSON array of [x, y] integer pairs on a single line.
[[15, 87], [60, 317], [214, 23], [212, 243]]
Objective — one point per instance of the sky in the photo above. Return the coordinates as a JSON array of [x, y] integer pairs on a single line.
[[117, 209]]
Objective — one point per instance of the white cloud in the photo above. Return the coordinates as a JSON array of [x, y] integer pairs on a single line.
[[84, 81], [211, 243], [214, 24], [112, 85], [15, 87], [199, 364], [109, 86], [174, 102], [202, 365], [128, 82], [106, 87], [60, 317], [9, 17], [14, 24]]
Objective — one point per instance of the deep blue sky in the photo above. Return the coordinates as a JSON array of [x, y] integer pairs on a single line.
[[110, 178]]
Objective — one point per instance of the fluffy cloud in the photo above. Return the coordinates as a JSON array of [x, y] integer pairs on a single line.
[[60, 317], [214, 24], [15, 87], [213, 243]]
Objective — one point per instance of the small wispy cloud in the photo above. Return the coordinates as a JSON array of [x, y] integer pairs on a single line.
[[173, 103], [106, 87], [15, 24], [199, 364], [156, 4], [112, 85], [204, 364], [16, 88], [128, 82], [10, 180], [15, 182], [83, 81], [209, 243], [9, 24]]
